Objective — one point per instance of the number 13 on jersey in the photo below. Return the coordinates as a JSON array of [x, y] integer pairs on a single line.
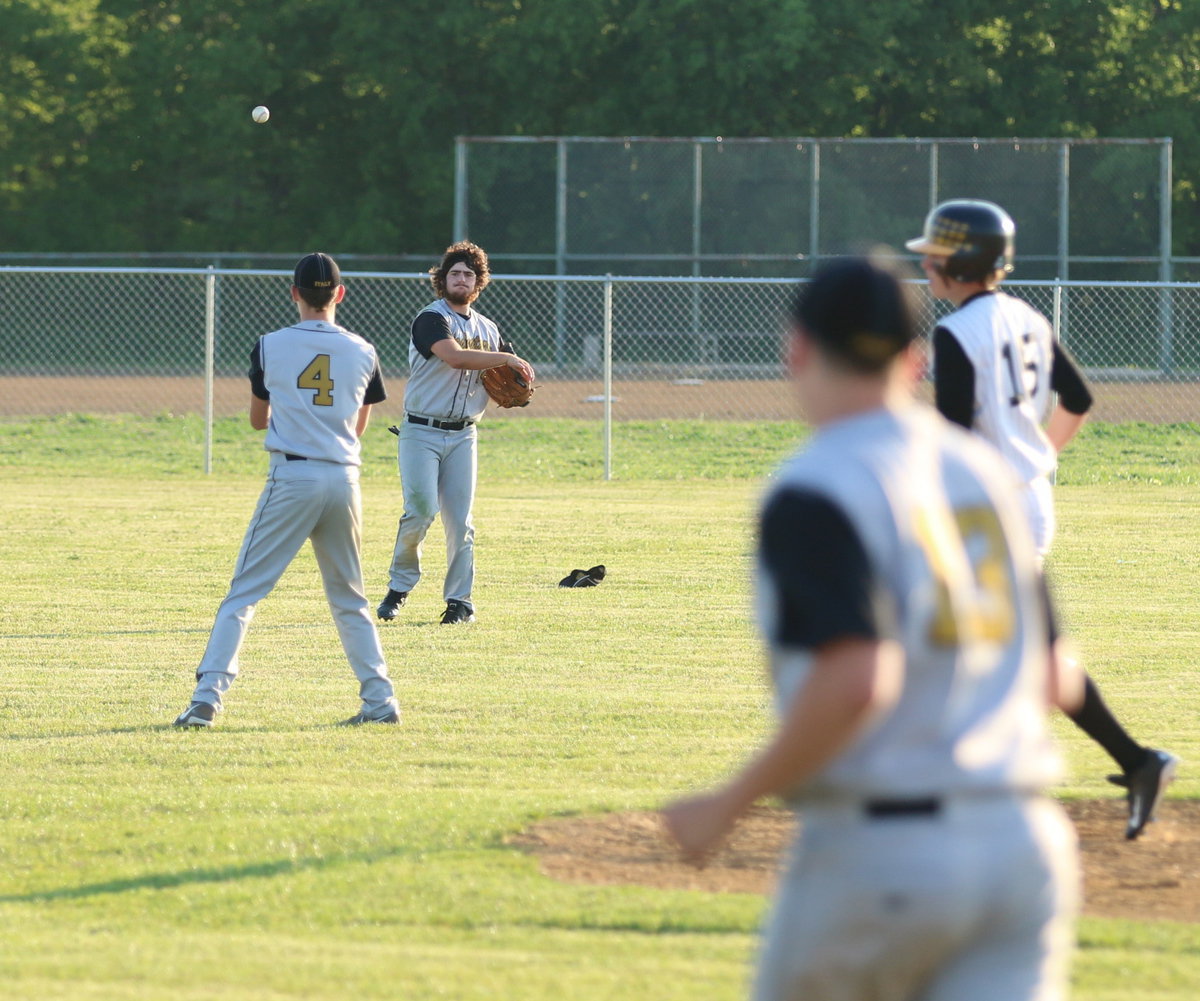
[[968, 556], [317, 376]]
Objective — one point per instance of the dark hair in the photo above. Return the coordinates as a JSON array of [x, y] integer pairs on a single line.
[[858, 312], [469, 253], [317, 298]]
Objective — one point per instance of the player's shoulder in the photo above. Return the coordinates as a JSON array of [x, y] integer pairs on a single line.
[[435, 315], [839, 459], [1014, 303]]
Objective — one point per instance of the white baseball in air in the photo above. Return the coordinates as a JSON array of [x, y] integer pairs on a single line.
[[261, 114]]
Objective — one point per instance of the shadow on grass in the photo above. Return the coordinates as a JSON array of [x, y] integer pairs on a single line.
[[192, 877], [167, 726], [192, 631]]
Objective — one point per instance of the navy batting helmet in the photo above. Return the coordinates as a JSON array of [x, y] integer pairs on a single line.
[[975, 238]]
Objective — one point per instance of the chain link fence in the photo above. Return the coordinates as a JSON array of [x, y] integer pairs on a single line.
[[776, 207], [155, 341]]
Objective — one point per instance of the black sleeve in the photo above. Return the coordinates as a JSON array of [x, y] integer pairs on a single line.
[[1051, 618], [953, 379], [819, 574], [1068, 382], [427, 329], [375, 391], [257, 385]]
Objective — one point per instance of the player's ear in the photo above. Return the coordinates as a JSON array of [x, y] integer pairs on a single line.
[[339, 294], [798, 350], [915, 361], [295, 294]]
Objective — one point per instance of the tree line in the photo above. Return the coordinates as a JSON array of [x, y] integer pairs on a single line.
[[125, 124]]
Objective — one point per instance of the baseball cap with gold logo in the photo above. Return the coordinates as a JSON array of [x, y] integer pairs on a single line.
[[317, 272]]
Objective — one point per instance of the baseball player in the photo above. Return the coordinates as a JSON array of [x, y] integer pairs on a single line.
[[450, 345], [312, 387], [996, 365], [913, 658]]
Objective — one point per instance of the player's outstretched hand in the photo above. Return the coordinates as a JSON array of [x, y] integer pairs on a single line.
[[523, 368], [698, 825]]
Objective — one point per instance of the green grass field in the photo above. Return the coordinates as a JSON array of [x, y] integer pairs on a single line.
[[280, 856]]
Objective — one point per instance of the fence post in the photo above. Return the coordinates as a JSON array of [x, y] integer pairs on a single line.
[[460, 189], [706, 345], [560, 253], [608, 368], [1166, 302], [1064, 235], [814, 210], [210, 341], [935, 166]]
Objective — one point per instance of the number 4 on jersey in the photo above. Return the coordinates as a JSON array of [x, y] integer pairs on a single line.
[[317, 376]]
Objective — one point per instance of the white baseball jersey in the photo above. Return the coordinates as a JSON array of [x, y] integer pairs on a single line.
[[894, 525], [317, 375], [434, 389], [1010, 345]]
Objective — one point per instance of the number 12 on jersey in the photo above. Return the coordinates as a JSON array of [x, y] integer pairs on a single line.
[[317, 376]]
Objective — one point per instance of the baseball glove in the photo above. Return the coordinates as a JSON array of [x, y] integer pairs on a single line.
[[504, 385]]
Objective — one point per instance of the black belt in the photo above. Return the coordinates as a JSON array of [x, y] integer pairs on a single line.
[[295, 458], [927, 807], [440, 425]]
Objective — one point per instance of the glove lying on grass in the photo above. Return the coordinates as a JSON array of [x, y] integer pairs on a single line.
[[584, 578]]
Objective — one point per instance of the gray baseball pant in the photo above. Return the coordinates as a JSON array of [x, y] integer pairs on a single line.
[[975, 902], [301, 500], [438, 471]]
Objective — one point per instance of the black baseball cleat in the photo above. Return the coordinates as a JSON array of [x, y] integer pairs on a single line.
[[391, 604], [1146, 785], [391, 715], [457, 611], [197, 714]]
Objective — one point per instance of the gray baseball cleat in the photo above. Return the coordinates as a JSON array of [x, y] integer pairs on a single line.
[[1146, 785], [390, 715], [197, 714], [391, 604]]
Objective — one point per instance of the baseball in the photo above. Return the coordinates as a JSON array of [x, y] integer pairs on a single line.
[[261, 114]]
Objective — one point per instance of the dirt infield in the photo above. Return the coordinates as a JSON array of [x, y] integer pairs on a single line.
[[1156, 877], [644, 399]]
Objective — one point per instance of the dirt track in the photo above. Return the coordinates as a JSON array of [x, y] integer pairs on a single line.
[[751, 399], [1156, 877]]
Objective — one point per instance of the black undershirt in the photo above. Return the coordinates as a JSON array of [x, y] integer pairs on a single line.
[[427, 329], [821, 575], [954, 380]]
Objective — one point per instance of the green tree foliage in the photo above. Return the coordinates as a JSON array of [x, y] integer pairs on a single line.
[[57, 92], [124, 124]]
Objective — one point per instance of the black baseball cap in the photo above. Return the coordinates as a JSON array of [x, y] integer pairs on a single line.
[[317, 272], [858, 310]]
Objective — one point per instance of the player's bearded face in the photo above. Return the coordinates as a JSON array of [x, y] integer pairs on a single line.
[[460, 285]]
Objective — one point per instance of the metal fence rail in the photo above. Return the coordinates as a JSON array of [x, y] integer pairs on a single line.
[[177, 340]]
